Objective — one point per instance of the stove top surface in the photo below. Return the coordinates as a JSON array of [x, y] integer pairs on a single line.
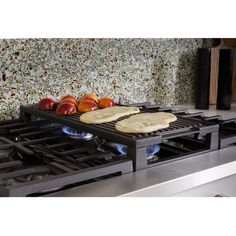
[[38, 157], [41, 156]]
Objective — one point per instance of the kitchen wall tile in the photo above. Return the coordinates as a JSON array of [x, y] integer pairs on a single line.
[[157, 70]]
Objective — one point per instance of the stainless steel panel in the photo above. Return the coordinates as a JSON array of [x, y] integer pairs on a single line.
[[163, 180]]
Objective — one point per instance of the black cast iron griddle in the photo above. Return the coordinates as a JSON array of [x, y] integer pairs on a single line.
[[136, 143]]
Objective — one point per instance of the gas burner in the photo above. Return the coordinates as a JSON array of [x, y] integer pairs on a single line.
[[37, 158], [151, 150], [122, 150], [76, 134]]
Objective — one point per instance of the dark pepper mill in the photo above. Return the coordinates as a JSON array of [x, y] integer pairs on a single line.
[[203, 78], [225, 78]]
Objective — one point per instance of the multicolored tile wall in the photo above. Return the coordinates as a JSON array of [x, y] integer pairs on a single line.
[[158, 70]]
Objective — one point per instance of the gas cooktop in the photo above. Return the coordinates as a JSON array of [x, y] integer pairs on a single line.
[[42, 153], [37, 157]]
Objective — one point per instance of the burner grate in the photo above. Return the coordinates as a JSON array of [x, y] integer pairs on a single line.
[[38, 161], [227, 127]]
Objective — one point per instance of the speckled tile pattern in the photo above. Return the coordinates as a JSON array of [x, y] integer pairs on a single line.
[[135, 70]]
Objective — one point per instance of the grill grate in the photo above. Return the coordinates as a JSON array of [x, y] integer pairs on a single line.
[[137, 143], [181, 125]]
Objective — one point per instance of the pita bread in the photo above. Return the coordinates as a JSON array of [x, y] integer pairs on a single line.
[[146, 122], [107, 114]]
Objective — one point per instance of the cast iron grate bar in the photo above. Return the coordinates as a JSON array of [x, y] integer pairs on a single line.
[[62, 167], [96, 156], [172, 149], [40, 140], [36, 133], [21, 145], [24, 129], [3, 155], [215, 117], [8, 122], [62, 180], [233, 120], [50, 157], [62, 144], [24, 172], [74, 151], [149, 107], [180, 111], [10, 164], [10, 144], [13, 126], [142, 104], [196, 114]]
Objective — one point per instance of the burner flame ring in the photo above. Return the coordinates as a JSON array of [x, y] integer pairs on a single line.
[[77, 134], [151, 150]]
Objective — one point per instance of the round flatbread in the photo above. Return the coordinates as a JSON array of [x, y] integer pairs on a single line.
[[107, 114], [146, 122]]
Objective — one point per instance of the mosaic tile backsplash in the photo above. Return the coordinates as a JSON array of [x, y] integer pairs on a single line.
[[135, 70]]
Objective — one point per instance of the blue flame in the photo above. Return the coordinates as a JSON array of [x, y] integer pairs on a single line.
[[151, 150], [76, 133]]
